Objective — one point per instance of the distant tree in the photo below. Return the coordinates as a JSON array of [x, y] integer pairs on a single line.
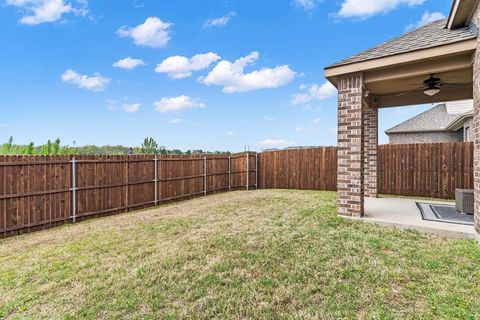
[[31, 149], [149, 146], [56, 147], [9, 145], [46, 149]]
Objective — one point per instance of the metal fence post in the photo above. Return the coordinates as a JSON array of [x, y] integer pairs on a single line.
[[229, 173], [205, 175], [155, 180], [74, 189], [256, 170], [248, 171], [127, 185]]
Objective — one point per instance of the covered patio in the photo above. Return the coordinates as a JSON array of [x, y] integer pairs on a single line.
[[404, 213], [436, 63]]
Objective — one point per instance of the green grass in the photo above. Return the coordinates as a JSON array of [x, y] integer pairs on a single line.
[[260, 255]]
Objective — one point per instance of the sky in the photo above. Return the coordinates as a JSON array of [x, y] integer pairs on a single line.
[[192, 74]]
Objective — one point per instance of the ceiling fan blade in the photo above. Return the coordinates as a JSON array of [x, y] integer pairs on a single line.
[[406, 92], [456, 85]]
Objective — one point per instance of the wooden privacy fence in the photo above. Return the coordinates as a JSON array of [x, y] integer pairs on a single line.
[[309, 168], [425, 170], [42, 191]]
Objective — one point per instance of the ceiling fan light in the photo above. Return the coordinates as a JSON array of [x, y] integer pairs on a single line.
[[431, 91]]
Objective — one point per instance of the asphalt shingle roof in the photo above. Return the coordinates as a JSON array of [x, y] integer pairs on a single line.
[[434, 119], [431, 35]]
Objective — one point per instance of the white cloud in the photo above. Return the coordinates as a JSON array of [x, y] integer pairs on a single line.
[[178, 67], [10, 125], [231, 133], [426, 19], [93, 83], [152, 33], [367, 8], [175, 121], [128, 63], [219, 22], [275, 143], [177, 104], [111, 104], [42, 11], [314, 92], [132, 107], [268, 118], [306, 5], [311, 128], [233, 79], [307, 129], [137, 4]]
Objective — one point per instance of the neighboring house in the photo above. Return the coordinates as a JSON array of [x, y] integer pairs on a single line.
[[446, 122]]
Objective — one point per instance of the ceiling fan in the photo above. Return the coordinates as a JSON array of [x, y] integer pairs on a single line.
[[432, 86]]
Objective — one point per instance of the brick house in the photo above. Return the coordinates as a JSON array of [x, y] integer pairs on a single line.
[[445, 122], [436, 63]]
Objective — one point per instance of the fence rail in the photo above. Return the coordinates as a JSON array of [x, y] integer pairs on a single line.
[[41, 191]]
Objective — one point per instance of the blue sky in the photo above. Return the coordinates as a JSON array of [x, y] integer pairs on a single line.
[[215, 75]]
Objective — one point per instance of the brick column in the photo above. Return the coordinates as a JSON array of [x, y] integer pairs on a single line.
[[350, 181], [476, 137], [370, 151]]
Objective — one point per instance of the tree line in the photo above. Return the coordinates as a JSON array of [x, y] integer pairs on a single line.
[[149, 146]]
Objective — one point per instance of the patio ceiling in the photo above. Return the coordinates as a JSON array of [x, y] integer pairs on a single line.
[[397, 79]]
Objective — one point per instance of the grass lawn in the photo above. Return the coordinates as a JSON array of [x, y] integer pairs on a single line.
[[261, 254]]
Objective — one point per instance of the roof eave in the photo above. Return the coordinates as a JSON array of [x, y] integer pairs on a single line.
[[332, 72], [416, 131], [461, 13], [458, 122], [453, 11]]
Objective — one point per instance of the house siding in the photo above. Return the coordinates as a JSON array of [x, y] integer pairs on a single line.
[[425, 137], [467, 130]]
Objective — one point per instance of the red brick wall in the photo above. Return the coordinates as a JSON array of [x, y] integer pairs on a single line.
[[350, 180], [476, 134], [370, 151]]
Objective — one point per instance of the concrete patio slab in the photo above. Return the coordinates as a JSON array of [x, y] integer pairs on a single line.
[[404, 214]]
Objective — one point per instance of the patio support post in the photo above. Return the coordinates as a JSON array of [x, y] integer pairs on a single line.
[[350, 179], [370, 150], [476, 137]]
